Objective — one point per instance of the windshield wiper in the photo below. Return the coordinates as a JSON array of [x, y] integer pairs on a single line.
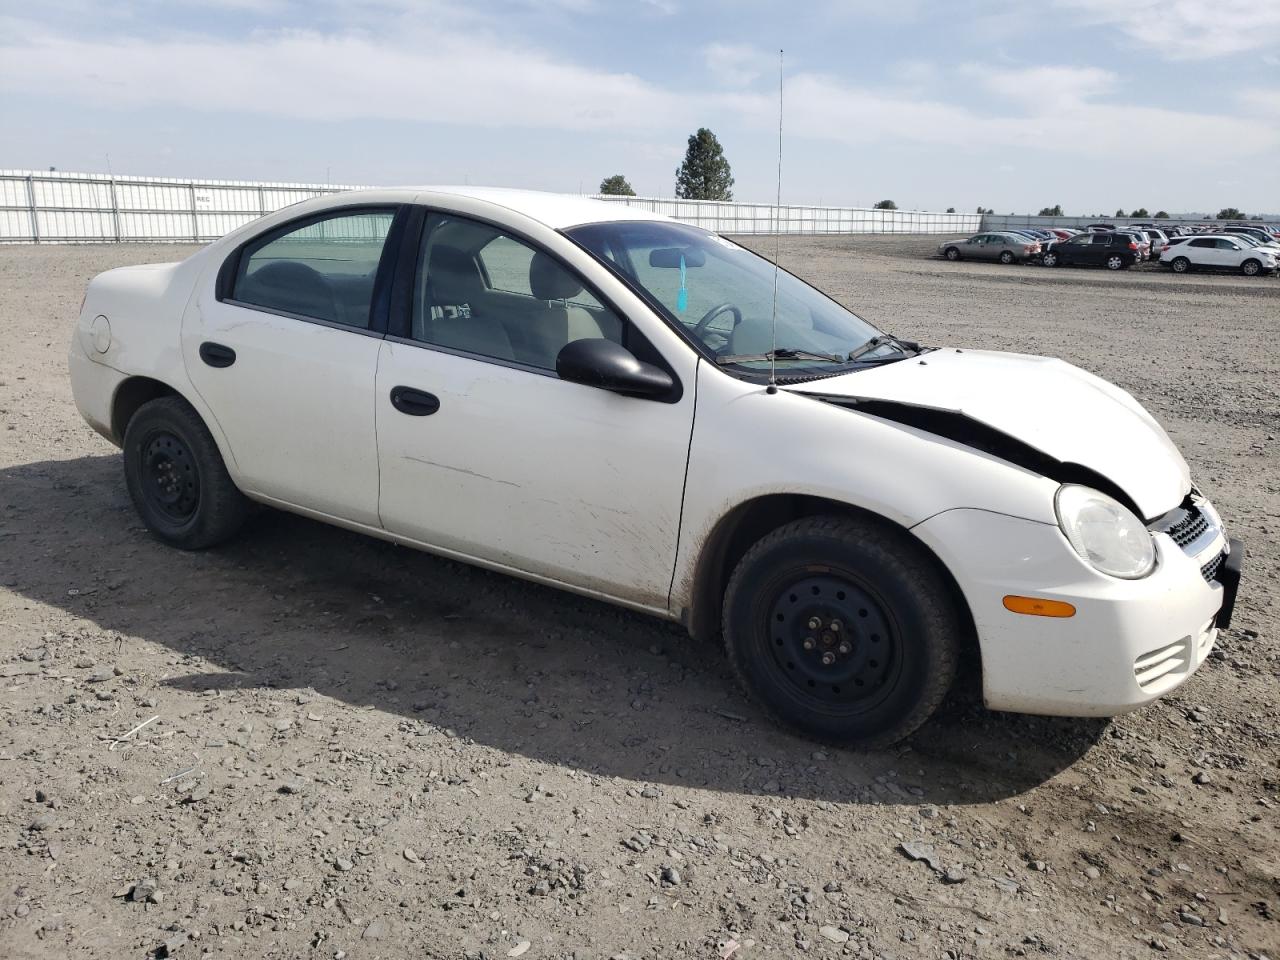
[[883, 340], [782, 353]]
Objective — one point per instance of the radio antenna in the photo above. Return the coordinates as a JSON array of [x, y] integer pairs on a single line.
[[777, 247]]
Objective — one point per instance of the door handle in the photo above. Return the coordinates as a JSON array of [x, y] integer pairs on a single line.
[[216, 355], [416, 403]]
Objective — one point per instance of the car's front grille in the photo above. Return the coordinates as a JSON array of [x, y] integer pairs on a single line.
[[1189, 527], [1210, 570]]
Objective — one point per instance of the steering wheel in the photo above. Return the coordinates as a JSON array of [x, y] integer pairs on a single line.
[[700, 328]]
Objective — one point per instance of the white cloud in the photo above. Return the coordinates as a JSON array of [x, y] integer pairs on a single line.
[[1187, 29], [463, 78], [1044, 87], [734, 64], [464, 75]]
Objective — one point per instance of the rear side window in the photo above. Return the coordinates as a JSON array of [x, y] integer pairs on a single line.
[[1203, 242], [1102, 239], [323, 270]]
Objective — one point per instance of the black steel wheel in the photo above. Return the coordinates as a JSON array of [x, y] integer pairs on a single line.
[[170, 480], [844, 629], [833, 640], [177, 479]]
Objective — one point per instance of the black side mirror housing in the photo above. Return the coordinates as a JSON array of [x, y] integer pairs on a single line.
[[611, 366]]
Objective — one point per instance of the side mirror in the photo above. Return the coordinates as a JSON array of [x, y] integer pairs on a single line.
[[610, 366]]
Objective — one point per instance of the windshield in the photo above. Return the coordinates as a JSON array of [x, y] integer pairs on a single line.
[[721, 296]]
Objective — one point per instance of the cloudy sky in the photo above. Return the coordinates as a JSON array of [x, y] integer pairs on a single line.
[[1093, 104]]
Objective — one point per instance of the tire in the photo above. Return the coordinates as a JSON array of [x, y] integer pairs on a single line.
[[1115, 262], [951, 253], [1050, 259], [893, 666], [1180, 264], [177, 479], [1006, 257], [1251, 268]]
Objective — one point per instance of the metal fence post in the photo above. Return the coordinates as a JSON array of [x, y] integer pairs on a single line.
[[115, 209], [31, 200], [195, 228]]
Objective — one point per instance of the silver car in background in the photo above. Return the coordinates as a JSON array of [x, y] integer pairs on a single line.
[[1004, 247]]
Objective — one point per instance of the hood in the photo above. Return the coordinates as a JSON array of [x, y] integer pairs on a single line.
[[1056, 409]]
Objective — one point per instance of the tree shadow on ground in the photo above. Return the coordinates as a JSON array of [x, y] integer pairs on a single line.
[[518, 667]]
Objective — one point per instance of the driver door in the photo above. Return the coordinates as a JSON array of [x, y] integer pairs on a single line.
[[486, 454]]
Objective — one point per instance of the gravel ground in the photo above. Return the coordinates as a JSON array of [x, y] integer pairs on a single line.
[[360, 751]]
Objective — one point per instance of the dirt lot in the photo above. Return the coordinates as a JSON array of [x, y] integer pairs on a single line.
[[366, 752]]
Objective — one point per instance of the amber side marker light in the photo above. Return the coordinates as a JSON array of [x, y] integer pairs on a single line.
[[1036, 607]]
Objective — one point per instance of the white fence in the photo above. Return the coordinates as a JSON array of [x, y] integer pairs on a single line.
[[57, 207], [721, 216]]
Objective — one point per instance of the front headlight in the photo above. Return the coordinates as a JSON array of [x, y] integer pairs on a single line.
[[1105, 532]]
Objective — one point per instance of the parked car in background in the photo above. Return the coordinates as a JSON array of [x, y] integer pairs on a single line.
[[1144, 242], [1219, 253], [1262, 236], [1159, 239], [1005, 247], [1109, 249]]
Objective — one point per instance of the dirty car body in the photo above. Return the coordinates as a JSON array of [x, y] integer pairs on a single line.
[[590, 396]]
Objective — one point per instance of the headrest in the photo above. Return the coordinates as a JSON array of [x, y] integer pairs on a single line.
[[550, 281], [453, 275]]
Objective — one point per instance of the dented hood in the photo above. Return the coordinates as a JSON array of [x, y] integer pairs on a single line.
[[1057, 409]]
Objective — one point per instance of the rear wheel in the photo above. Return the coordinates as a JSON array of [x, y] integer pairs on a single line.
[[177, 479], [1251, 268], [952, 253], [843, 630], [1006, 257], [1180, 265], [1050, 259], [1115, 262]]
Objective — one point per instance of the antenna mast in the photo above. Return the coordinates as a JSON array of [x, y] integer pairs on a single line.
[[777, 247]]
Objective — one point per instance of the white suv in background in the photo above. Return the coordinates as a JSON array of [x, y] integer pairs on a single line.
[[1218, 253]]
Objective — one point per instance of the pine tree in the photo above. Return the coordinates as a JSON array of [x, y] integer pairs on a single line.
[[705, 174]]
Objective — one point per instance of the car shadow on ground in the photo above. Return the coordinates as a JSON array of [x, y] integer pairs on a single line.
[[518, 667]]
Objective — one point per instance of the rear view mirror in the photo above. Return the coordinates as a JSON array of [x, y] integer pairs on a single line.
[[669, 257]]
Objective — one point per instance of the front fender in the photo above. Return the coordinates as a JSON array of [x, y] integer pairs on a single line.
[[749, 444]]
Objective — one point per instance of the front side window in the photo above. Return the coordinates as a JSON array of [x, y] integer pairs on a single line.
[[722, 296], [482, 291], [323, 270]]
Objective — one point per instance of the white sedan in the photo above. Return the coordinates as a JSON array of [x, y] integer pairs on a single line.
[[594, 397]]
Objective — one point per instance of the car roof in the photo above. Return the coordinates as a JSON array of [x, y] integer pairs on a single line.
[[555, 210]]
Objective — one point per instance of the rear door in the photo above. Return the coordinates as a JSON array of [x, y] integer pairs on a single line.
[[283, 350], [1101, 246], [1203, 251]]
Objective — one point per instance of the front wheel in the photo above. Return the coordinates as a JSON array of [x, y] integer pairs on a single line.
[[1115, 262], [952, 253], [1251, 268], [1049, 259], [1006, 257], [177, 479], [843, 630]]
